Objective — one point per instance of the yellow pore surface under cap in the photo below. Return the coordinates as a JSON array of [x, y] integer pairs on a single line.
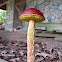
[[36, 18]]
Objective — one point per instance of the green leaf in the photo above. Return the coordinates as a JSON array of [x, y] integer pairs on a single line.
[[2, 15]]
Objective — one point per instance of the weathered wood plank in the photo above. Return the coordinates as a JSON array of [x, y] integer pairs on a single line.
[[40, 28], [48, 35], [51, 26]]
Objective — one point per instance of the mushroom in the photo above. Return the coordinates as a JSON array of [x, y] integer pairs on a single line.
[[31, 15]]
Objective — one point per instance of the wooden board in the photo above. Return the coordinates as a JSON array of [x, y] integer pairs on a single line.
[[51, 26], [40, 28], [48, 35], [55, 36]]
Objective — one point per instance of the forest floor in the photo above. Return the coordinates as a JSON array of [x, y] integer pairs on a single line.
[[13, 48]]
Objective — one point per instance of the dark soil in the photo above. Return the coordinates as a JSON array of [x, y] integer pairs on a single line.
[[13, 48]]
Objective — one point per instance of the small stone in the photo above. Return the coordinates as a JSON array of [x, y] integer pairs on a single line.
[[47, 2], [53, 21], [21, 52], [47, 6], [3, 52], [51, 10], [46, 21], [1, 60], [60, 18], [12, 60], [46, 11], [60, 7], [18, 59], [41, 7], [28, 1], [40, 1], [46, 15], [52, 0], [51, 18], [57, 20], [54, 4], [57, 13], [36, 45], [32, 4], [37, 5], [59, 1]]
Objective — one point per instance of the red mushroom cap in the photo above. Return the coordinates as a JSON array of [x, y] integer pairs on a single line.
[[32, 14]]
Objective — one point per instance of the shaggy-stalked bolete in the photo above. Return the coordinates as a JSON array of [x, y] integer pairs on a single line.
[[31, 15]]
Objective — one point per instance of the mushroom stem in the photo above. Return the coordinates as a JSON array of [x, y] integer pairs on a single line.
[[30, 42]]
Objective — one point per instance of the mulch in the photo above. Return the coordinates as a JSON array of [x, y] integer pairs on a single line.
[[13, 48]]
